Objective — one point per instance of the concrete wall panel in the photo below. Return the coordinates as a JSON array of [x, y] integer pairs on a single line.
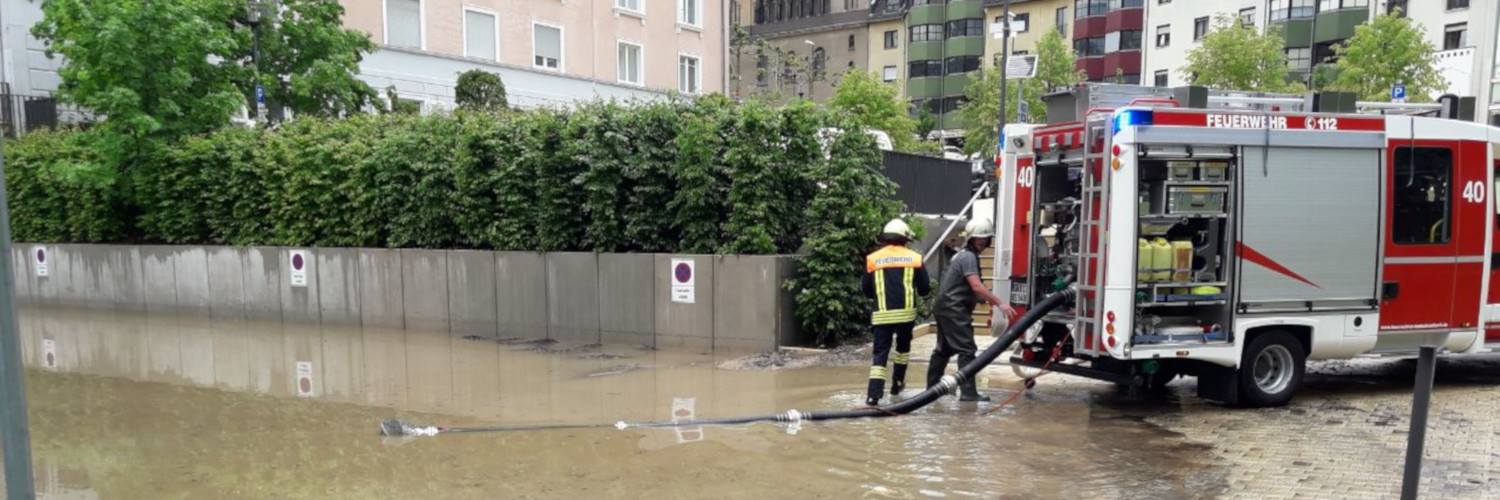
[[263, 285], [683, 325], [125, 265], [424, 282], [90, 269], [791, 333], [226, 283], [627, 299], [299, 304], [190, 279], [338, 286], [380, 294], [65, 290], [159, 279], [573, 297], [520, 292], [471, 293], [746, 317]]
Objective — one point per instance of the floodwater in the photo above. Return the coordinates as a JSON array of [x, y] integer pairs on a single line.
[[131, 406]]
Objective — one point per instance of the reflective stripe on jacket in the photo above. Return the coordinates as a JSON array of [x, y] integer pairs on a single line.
[[895, 278]]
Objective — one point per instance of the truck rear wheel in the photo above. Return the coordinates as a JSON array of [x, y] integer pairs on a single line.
[[1271, 370]]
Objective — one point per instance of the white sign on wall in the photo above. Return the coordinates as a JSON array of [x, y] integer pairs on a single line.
[[49, 353], [683, 410], [683, 275], [297, 264], [39, 260], [305, 387]]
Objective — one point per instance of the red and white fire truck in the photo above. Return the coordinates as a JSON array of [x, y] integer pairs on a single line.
[[1232, 237]]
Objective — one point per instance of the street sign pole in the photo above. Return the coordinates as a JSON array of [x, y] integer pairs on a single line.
[[1416, 436], [15, 434]]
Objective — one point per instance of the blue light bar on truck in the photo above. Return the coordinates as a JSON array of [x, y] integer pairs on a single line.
[[1132, 118]]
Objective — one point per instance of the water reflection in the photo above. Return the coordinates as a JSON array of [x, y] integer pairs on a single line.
[[154, 406]]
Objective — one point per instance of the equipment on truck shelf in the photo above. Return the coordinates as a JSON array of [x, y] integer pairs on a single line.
[[1233, 236]]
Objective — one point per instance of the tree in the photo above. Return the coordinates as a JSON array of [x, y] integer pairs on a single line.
[[876, 105], [308, 60], [1387, 51], [480, 90], [1234, 56], [152, 69], [980, 115], [784, 71], [158, 69]]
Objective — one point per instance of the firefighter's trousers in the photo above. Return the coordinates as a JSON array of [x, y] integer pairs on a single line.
[[900, 333]]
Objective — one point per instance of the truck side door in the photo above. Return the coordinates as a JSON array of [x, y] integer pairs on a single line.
[[1420, 244]]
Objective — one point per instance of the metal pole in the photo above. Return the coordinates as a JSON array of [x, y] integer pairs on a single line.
[[1004, 60], [1417, 435], [15, 434], [256, 93]]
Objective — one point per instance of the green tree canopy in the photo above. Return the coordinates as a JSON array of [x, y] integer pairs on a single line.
[[980, 115], [480, 90], [1234, 56], [1388, 50], [876, 105], [158, 69]]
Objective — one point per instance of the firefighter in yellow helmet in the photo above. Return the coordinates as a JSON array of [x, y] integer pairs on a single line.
[[895, 279]]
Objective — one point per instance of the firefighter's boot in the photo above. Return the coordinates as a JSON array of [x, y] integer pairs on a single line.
[[968, 389], [935, 368], [898, 372], [877, 386]]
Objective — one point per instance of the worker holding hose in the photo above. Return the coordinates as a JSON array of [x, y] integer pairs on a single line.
[[895, 278], [954, 308]]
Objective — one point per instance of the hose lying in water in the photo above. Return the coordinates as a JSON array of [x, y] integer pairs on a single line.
[[396, 427]]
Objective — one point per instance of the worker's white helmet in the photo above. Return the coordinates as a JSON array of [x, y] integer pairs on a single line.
[[898, 227], [979, 228]]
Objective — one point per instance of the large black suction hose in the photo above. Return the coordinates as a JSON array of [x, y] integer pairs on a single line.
[[946, 386]]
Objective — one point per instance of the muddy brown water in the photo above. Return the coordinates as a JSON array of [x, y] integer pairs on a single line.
[[148, 407]]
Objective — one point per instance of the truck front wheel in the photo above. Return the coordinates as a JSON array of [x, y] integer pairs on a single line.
[[1271, 370]]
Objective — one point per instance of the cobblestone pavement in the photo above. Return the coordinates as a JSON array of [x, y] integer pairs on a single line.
[[1344, 436]]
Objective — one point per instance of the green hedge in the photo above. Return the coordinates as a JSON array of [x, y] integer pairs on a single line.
[[706, 176]]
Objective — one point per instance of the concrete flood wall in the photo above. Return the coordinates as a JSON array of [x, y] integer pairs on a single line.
[[733, 303]]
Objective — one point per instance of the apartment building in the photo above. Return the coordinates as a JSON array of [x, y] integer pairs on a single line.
[[1175, 28], [549, 52], [1107, 38], [1030, 21], [887, 41]]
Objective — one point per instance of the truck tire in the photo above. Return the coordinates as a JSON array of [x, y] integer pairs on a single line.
[[1271, 370]]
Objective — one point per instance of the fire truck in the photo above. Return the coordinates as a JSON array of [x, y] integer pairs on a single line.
[[1234, 236]]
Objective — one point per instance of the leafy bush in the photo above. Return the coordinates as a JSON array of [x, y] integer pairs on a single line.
[[480, 90]]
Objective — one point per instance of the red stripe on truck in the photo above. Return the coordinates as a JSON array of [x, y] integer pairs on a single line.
[[1253, 256]]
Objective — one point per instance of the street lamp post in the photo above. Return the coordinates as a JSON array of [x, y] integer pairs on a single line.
[[253, 14], [13, 426]]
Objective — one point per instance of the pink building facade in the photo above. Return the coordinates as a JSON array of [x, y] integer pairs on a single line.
[[549, 52]]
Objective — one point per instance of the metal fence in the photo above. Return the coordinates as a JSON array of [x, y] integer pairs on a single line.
[[20, 114], [930, 185]]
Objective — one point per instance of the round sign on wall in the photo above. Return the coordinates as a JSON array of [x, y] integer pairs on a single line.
[[683, 273]]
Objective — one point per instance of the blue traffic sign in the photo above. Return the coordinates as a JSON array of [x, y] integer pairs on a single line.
[[260, 94], [1398, 91]]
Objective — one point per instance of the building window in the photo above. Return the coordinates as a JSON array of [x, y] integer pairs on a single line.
[[1089, 8], [819, 61], [1200, 28], [1061, 21], [1458, 4], [965, 27], [1088, 47], [1125, 4], [851, 43], [951, 104], [961, 64], [762, 71], [928, 2], [1326, 5], [1247, 16], [1324, 53], [1422, 189], [1455, 36], [890, 39], [888, 74], [1282, 10], [547, 43], [734, 12], [1299, 58], [1161, 78], [926, 33], [480, 37], [690, 12], [1163, 35], [688, 74], [1130, 40], [1159, 2], [629, 63], [403, 23], [630, 5], [1021, 24], [919, 69]]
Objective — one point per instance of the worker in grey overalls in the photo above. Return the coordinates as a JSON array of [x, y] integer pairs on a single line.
[[954, 308]]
